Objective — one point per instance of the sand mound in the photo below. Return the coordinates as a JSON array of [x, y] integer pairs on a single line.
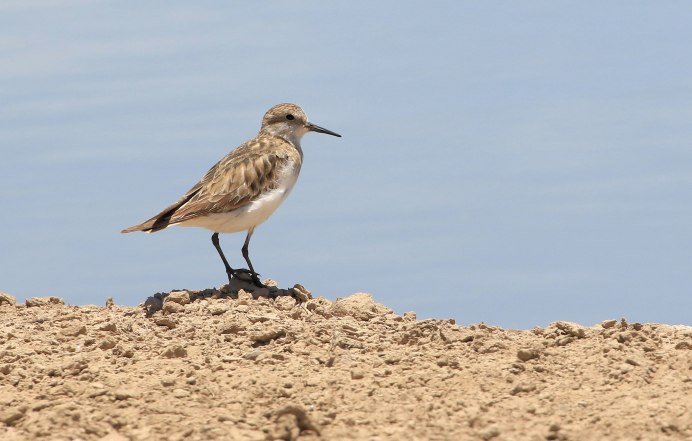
[[277, 364]]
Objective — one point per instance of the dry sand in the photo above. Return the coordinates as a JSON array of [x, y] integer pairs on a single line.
[[217, 365]]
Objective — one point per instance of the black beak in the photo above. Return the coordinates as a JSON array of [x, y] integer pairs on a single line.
[[314, 128]]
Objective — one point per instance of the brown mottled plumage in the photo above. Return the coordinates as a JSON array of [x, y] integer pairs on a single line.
[[245, 187], [236, 180]]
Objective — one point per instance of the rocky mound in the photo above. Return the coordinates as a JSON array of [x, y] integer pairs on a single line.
[[277, 364]]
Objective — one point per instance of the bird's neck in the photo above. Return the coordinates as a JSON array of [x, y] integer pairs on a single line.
[[292, 137]]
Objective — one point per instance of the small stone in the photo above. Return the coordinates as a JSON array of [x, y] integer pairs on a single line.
[[392, 359], [231, 328], [176, 351], [290, 421], [607, 324], [357, 374], [168, 381], [74, 331], [442, 361], [360, 306], [262, 318], [269, 283], [410, 316], [37, 302], [107, 344], [527, 354], [254, 355], [124, 394], [683, 345], [172, 307], [7, 299], [11, 416], [166, 321], [244, 297], [114, 436], [267, 335], [570, 329], [285, 303], [179, 297], [523, 387], [632, 361], [218, 309], [110, 327], [564, 341], [180, 393]]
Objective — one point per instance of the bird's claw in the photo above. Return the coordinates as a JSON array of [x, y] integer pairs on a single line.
[[248, 276]]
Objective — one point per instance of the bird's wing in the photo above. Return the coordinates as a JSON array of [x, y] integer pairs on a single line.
[[236, 180]]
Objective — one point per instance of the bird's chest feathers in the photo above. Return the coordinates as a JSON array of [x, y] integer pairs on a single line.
[[285, 180], [268, 201]]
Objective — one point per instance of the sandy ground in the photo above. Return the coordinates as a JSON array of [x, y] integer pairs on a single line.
[[219, 365]]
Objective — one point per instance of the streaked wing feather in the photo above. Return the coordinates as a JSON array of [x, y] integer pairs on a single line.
[[236, 180]]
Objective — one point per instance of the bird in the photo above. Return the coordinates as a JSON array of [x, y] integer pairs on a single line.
[[245, 187]]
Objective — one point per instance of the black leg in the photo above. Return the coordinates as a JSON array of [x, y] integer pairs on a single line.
[[229, 271], [246, 255]]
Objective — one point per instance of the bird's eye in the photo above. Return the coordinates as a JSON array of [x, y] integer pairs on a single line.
[[289, 116]]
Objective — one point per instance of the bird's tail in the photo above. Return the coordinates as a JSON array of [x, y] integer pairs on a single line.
[[145, 226], [156, 223]]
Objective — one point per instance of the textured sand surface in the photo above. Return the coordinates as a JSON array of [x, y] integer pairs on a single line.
[[217, 365]]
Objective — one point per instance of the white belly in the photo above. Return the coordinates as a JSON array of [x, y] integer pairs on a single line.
[[251, 214]]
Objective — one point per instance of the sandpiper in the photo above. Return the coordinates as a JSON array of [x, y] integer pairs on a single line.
[[245, 187]]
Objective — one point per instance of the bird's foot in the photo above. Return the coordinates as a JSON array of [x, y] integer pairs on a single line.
[[246, 276]]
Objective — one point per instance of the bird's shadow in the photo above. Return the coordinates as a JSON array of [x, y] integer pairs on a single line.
[[161, 301]]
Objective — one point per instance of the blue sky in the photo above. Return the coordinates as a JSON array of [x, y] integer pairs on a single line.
[[513, 163]]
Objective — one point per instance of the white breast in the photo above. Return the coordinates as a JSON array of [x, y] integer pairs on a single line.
[[253, 213]]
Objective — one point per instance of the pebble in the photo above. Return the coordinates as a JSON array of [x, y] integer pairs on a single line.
[[74, 331], [7, 299], [175, 351], [410, 315], [254, 355], [523, 387], [285, 303], [12, 415], [442, 361], [180, 297], [124, 394], [172, 307], [114, 436], [107, 344], [180, 393], [110, 327], [168, 381], [244, 297], [357, 374], [267, 335], [218, 309], [167, 322], [527, 354], [35, 302], [607, 324]]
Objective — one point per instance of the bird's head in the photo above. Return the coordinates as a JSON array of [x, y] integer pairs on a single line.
[[290, 122]]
